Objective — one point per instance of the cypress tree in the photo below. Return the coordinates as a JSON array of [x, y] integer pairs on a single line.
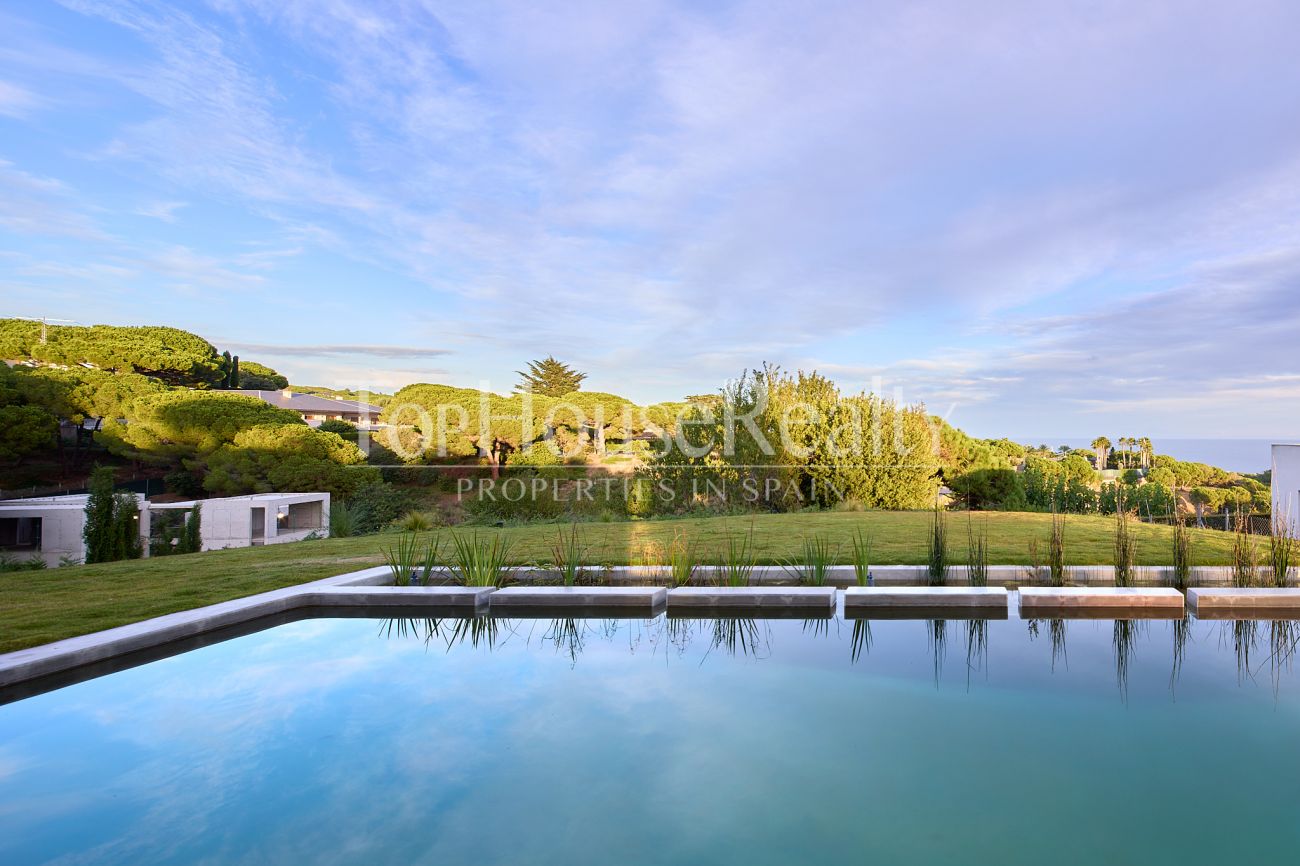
[[192, 538], [234, 372], [125, 527], [98, 532]]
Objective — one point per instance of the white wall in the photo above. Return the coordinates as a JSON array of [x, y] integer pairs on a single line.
[[61, 532], [1286, 484], [228, 522]]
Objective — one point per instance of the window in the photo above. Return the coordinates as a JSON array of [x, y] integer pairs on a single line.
[[303, 515], [20, 533]]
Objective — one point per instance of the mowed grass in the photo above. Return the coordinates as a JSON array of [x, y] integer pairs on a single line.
[[41, 606]]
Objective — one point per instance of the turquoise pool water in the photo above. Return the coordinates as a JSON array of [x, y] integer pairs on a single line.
[[356, 741]]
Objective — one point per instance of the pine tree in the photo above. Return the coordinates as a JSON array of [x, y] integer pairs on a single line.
[[549, 377]]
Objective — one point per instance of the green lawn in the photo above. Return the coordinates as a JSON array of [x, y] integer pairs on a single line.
[[41, 606]]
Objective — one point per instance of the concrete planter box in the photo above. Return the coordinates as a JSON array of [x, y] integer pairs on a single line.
[[552, 599], [801, 598], [1041, 600], [925, 602], [1236, 602]]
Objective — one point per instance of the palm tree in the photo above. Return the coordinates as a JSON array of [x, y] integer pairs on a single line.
[[1102, 446], [1148, 452]]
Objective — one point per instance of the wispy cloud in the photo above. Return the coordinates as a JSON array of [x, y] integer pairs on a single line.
[[329, 350], [16, 101], [161, 210], [666, 194]]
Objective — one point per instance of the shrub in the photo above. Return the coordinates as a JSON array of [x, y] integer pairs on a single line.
[[339, 427], [536, 455], [343, 522], [183, 483], [375, 505], [985, 489]]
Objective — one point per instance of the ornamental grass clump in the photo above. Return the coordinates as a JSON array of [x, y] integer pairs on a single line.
[[1281, 550], [569, 555], [1125, 547], [410, 562], [1181, 573], [860, 552], [1245, 554], [936, 567], [481, 561], [737, 565], [977, 556], [816, 557], [1056, 550], [682, 560]]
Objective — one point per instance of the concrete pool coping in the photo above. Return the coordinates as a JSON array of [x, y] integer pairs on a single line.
[[52, 658]]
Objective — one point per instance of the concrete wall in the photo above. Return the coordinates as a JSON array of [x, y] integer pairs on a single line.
[[61, 532], [230, 522], [1286, 484], [63, 523]]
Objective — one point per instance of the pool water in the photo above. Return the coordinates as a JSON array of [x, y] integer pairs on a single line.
[[363, 741]]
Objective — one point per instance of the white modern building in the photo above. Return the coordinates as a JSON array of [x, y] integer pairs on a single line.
[[52, 527], [1286, 485]]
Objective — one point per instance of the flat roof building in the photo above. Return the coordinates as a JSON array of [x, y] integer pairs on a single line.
[[315, 409], [52, 527]]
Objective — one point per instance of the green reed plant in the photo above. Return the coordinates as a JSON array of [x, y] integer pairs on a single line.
[[977, 555], [1245, 553], [1125, 547], [1281, 550], [1056, 550], [936, 567], [736, 567], [1035, 568], [569, 555], [1181, 573], [410, 561], [478, 561], [860, 553], [683, 560], [816, 556]]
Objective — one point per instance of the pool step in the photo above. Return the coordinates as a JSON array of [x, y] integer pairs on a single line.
[[550, 599], [802, 598], [1040, 600], [1211, 603]]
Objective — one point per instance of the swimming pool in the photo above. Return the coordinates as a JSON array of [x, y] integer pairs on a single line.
[[671, 741]]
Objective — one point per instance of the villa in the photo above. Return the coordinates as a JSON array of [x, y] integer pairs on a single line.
[[52, 527], [315, 409]]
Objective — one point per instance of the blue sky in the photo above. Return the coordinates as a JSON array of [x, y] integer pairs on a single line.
[[1043, 220]]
